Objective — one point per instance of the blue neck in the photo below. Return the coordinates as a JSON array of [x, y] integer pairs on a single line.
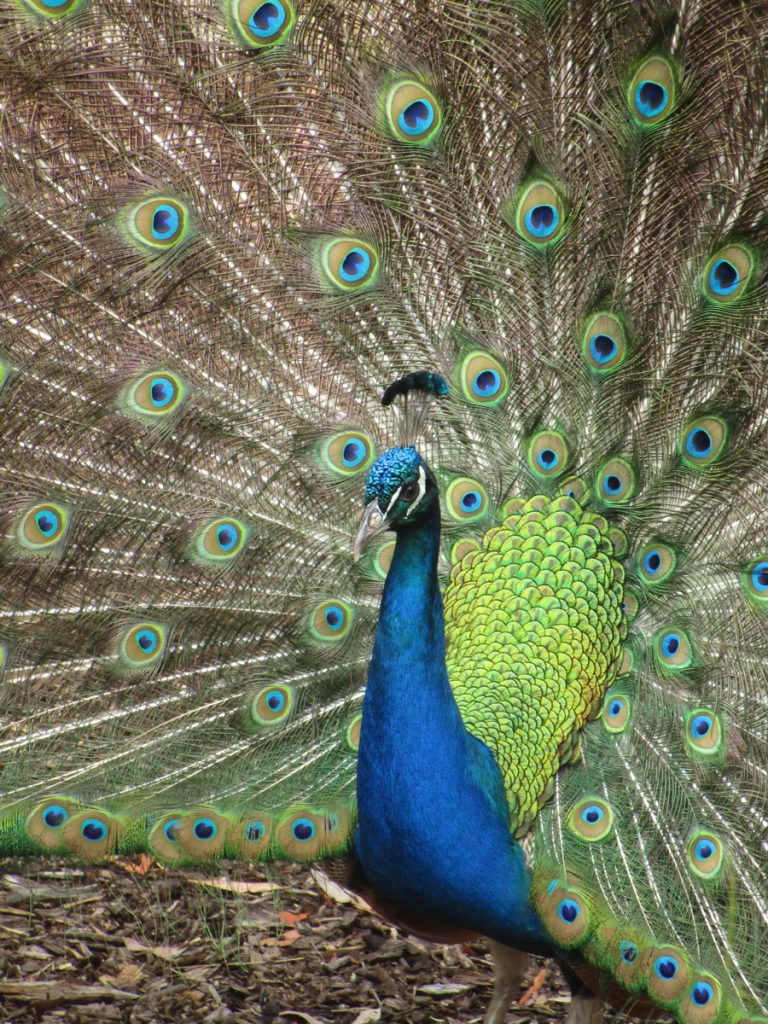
[[433, 831]]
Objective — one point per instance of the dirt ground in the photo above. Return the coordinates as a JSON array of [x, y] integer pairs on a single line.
[[136, 943]]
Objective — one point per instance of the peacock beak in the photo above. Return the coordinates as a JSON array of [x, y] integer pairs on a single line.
[[372, 524]]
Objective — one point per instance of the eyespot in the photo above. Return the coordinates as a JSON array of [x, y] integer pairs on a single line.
[[348, 453], [673, 650], [484, 380], [628, 951], [255, 831], [304, 834], [575, 488], [652, 92], [565, 914], [466, 500], [42, 526], [665, 967], [703, 733], [627, 662], [755, 581], [143, 645], [591, 819], [54, 816], [171, 830], [258, 24], [604, 343], [155, 394], [413, 114], [616, 709], [93, 830], [331, 621], [656, 563], [204, 829], [547, 453], [668, 974], [46, 822], [349, 263], [706, 855], [353, 733], [704, 441], [53, 8], [616, 481], [703, 1002], [383, 558], [728, 274], [222, 539], [272, 705], [540, 213], [158, 224]]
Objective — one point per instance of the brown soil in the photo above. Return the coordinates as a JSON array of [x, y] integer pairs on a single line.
[[135, 943]]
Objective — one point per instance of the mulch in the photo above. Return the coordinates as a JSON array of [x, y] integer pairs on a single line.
[[136, 943]]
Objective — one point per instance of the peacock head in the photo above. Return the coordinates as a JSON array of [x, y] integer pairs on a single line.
[[399, 492]]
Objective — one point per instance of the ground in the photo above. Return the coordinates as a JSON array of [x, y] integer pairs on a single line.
[[135, 943]]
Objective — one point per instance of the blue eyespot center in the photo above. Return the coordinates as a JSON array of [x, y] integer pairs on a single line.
[[652, 562], [267, 19], [161, 392], [227, 537], [702, 724], [759, 576], [275, 700], [171, 830], [355, 265], [547, 458], [470, 501], [612, 483], [704, 849], [602, 348], [666, 967], [94, 830], [353, 454], [55, 816], [417, 117], [698, 443], [592, 814], [334, 617], [628, 951], [147, 640], [165, 222], [254, 831], [47, 522], [615, 708], [723, 278], [670, 644], [650, 98], [701, 993], [205, 828], [303, 829], [487, 383], [541, 221], [568, 911]]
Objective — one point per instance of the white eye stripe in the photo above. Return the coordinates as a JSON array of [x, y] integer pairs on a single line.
[[392, 500], [422, 491]]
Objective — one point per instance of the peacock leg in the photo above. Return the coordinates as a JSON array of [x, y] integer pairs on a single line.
[[509, 966]]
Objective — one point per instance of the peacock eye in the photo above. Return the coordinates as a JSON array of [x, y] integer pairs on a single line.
[[410, 491], [259, 24]]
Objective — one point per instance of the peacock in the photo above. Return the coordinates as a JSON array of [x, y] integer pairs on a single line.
[[385, 471]]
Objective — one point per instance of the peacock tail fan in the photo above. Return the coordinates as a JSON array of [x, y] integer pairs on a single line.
[[225, 227]]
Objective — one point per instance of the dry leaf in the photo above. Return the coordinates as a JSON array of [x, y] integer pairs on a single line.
[[286, 917]]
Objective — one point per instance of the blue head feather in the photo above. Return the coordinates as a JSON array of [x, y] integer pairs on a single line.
[[394, 468]]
